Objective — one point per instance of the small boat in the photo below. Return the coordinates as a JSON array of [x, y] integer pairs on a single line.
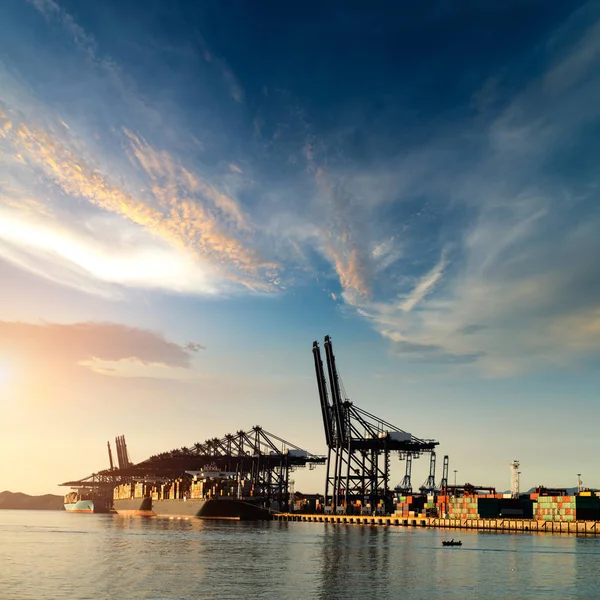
[[451, 543]]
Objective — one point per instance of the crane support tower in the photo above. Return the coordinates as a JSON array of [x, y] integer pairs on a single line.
[[428, 486], [405, 486], [359, 445], [514, 479], [445, 470]]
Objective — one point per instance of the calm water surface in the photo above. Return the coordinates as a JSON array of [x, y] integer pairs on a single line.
[[47, 555]]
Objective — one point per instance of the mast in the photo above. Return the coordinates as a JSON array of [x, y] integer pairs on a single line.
[[110, 458]]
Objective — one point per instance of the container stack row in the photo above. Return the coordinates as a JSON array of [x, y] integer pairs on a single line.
[[464, 507], [124, 491], [567, 508], [306, 505], [409, 506]]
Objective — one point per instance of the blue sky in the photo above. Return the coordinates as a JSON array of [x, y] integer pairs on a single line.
[[421, 183]]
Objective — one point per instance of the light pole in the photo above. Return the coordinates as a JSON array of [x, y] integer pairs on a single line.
[[455, 472], [579, 482]]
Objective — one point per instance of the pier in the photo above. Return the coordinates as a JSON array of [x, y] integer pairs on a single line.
[[499, 524], [255, 466]]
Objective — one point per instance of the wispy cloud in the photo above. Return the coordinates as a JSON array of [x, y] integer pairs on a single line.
[[52, 10], [178, 207], [171, 180], [576, 64], [337, 237], [424, 286], [86, 44], [469, 242], [235, 89], [129, 258], [185, 210], [520, 284]]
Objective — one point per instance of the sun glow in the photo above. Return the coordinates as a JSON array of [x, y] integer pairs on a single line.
[[4, 373]]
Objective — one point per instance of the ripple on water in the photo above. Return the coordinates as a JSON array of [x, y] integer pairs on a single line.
[[59, 556]]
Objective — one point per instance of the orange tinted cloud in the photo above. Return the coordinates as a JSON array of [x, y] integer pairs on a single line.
[[55, 363], [342, 248], [350, 269], [183, 209], [5, 124], [171, 179], [71, 344]]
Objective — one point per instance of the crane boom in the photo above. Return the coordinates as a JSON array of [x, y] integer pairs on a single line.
[[335, 393], [325, 406]]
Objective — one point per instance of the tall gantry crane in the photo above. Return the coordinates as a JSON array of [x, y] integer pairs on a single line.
[[359, 444]]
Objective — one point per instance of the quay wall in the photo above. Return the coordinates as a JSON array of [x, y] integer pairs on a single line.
[[497, 524]]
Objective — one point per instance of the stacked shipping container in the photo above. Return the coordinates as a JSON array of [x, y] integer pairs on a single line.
[[409, 506], [464, 507], [123, 492], [181, 488], [483, 507], [567, 508]]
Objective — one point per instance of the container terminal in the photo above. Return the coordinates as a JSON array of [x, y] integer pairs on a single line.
[[246, 476]]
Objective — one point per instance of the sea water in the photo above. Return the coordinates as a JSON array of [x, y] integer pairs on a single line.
[[55, 555]]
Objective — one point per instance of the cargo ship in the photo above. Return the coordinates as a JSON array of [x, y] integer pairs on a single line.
[[132, 506], [207, 494], [217, 508], [85, 500]]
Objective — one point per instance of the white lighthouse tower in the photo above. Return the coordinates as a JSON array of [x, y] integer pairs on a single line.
[[514, 480]]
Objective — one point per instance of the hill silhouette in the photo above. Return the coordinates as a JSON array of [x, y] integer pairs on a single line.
[[17, 500]]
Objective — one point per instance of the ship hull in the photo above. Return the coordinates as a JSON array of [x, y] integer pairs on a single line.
[[134, 507], [226, 509], [230, 509], [82, 506], [177, 508], [86, 506], [237, 510]]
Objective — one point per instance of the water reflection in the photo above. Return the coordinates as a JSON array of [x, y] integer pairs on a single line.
[[585, 575], [355, 561], [62, 556]]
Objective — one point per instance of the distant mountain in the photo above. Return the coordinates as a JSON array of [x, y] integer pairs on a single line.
[[17, 500], [570, 491]]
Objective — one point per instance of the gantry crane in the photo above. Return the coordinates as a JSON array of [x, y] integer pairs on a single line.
[[359, 444]]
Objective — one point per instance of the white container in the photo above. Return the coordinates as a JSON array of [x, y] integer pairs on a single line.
[[400, 436], [298, 453]]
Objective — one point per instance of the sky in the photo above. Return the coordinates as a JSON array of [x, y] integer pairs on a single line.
[[191, 195]]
